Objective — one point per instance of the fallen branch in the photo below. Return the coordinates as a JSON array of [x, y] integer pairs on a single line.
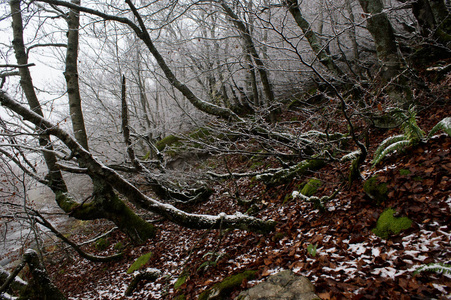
[[133, 194], [317, 202], [286, 175], [41, 220]]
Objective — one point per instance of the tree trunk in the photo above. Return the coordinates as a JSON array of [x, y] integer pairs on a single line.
[[133, 194], [380, 28], [105, 200], [71, 75], [40, 287], [352, 32], [251, 50], [321, 51], [55, 177]]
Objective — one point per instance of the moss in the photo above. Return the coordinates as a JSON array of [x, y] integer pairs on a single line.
[[139, 262], [287, 175], [181, 280], [221, 290], [278, 236], [311, 187], [404, 172], [387, 224], [129, 222], [180, 297], [118, 246], [167, 141], [200, 133], [102, 244], [375, 190]]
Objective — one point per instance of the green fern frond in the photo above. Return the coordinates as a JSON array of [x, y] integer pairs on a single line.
[[413, 131], [387, 142], [398, 114], [393, 147], [434, 267], [444, 125], [409, 125]]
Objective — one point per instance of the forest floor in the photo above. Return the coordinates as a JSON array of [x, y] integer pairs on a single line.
[[350, 262]]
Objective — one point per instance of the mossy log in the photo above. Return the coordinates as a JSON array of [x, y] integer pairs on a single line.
[[286, 175], [94, 167], [221, 289], [148, 274]]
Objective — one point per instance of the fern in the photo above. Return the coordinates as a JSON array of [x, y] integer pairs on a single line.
[[412, 134], [387, 142], [434, 267], [444, 125], [410, 126], [393, 147]]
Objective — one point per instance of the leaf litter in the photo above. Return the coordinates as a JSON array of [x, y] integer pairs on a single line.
[[350, 261]]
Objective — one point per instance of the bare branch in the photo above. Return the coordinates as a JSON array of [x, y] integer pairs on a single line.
[[18, 66], [134, 195]]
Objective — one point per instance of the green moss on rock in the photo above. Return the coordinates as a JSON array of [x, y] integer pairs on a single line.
[[222, 289], [404, 172], [376, 190], [167, 141], [388, 225], [102, 244], [311, 187]]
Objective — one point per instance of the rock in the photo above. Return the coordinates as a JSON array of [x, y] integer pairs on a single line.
[[284, 285]]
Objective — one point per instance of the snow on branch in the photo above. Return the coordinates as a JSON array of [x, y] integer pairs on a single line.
[[133, 194]]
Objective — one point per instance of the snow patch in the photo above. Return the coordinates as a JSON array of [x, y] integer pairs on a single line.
[[357, 248], [388, 272]]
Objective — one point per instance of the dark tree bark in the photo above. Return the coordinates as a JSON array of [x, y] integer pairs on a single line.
[[71, 75], [382, 31], [55, 177], [321, 51], [251, 51]]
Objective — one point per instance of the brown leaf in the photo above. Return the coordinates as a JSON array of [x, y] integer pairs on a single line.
[[324, 296], [266, 272], [429, 170]]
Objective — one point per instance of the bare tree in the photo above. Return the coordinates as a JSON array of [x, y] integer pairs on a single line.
[[251, 52], [322, 51], [382, 31]]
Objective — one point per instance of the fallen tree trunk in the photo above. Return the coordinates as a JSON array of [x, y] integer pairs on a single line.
[[133, 194], [286, 175]]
